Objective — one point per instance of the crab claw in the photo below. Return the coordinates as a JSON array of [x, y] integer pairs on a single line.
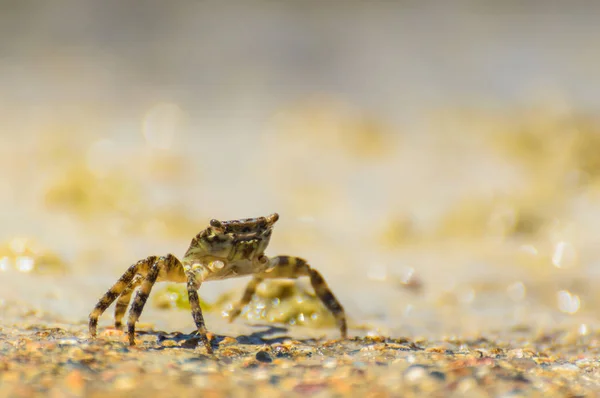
[[272, 218]]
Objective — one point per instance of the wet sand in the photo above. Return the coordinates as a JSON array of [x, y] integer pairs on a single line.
[[52, 359]]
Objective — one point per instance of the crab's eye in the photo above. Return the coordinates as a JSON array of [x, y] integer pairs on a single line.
[[216, 224]]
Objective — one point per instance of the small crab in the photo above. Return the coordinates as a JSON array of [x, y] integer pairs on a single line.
[[225, 249]]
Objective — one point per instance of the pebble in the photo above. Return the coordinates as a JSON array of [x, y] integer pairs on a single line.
[[227, 341], [414, 373], [524, 363], [263, 356]]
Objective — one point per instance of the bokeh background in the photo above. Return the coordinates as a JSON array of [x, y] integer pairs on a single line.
[[439, 162]]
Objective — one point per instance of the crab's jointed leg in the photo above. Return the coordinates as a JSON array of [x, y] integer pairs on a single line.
[[248, 293], [139, 268], [124, 299], [294, 267], [140, 300], [192, 286]]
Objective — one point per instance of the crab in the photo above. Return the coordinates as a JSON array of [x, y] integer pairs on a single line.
[[225, 249]]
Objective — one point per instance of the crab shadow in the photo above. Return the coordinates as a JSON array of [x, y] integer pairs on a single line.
[[268, 334]]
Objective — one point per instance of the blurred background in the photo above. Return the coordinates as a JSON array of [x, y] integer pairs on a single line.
[[438, 162]]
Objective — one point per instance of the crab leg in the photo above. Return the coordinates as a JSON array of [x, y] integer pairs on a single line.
[[124, 299], [167, 264], [192, 286], [248, 293], [141, 268], [327, 297], [294, 267], [140, 300]]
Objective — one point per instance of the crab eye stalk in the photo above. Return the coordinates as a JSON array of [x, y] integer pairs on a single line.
[[216, 224]]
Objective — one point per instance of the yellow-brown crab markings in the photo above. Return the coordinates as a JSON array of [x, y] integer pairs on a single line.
[[225, 249]]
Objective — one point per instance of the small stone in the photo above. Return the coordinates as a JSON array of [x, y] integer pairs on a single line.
[[228, 341], [398, 347], [190, 343], [263, 356], [515, 353], [169, 343], [233, 351], [111, 332], [436, 374], [437, 350], [282, 351], [68, 341], [524, 363], [414, 373]]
